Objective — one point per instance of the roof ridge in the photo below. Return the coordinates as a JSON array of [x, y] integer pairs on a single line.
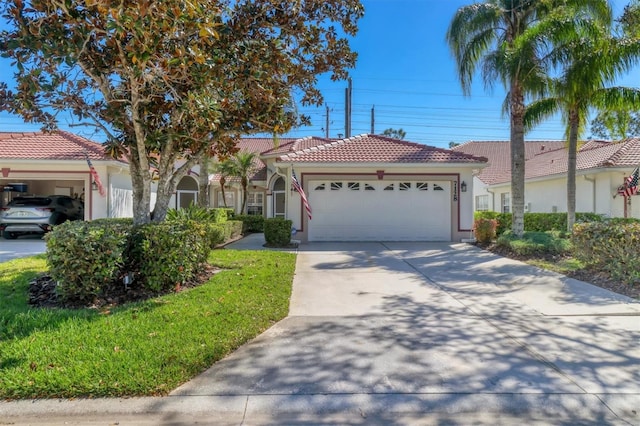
[[624, 147]]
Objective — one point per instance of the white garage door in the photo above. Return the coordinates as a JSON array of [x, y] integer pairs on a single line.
[[380, 210]]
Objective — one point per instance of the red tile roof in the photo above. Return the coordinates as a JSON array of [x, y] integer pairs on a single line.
[[376, 149], [592, 154], [58, 145], [499, 155]]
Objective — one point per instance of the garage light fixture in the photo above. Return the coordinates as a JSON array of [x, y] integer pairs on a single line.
[[94, 185], [463, 187]]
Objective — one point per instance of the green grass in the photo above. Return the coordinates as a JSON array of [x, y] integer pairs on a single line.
[[145, 348], [536, 243], [562, 266]]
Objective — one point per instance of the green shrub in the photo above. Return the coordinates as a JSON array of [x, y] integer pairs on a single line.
[[234, 228], [167, 254], [535, 243], [123, 221], [277, 231], [537, 222], [485, 230], [220, 215], [85, 257], [612, 246], [215, 234], [250, 222], [504, 220]]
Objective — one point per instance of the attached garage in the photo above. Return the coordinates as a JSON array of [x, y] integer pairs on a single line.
[[369, 210], [374, 188]]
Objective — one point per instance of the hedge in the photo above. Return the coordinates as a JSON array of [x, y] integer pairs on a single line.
[[277, 232], [251, 222], [537, 222], [612, 246]]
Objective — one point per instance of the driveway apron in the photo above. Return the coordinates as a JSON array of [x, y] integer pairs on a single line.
[[437, 328]]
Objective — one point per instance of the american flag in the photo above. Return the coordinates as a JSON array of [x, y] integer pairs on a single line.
[[94, 175], [297, 187], [630, 187]]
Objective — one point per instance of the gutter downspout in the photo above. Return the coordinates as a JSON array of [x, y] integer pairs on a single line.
[[493, 199], [593, 191]]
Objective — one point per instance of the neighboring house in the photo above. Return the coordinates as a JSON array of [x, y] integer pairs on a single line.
[[55, 163], [601, 168], [366, 187]]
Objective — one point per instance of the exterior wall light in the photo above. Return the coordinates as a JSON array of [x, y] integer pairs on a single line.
[[463, 187]]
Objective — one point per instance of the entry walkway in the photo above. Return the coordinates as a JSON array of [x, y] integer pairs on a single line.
[[413, 333]]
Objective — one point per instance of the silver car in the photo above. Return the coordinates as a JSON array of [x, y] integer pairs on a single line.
[[37, 215]]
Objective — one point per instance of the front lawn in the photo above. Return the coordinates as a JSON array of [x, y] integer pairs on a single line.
[[143, 348]]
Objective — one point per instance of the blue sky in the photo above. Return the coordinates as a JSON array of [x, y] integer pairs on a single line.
[[406, 70]]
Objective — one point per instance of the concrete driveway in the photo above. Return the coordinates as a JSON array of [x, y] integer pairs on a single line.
[[415, 333], [28, 245]]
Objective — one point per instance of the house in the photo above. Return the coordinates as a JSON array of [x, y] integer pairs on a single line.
[[367, 187], [56, 163], [602, 167]]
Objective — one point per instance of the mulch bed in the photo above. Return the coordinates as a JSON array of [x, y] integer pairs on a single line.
[[42, 293], [595, 277]]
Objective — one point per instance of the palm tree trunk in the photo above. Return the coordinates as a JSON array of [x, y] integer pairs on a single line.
[[571, 169], [517, 108], [245, 190], [223, 182]]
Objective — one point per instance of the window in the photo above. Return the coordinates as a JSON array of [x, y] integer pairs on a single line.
[[482, 203], [255, 203], [354, 186], [336, 186], [422, 186], [229, 195], [505, 201], [404, 186], [389, 187], [368, 187], [437, 187], [320, 187]]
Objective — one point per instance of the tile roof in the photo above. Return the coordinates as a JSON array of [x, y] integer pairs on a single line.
[[376, 149], [591, 155], [57, 145], [499, 155]]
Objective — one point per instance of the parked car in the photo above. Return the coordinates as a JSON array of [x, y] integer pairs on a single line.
[[37, 215]]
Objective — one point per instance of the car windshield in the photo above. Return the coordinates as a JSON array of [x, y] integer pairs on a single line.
[[31, 202]]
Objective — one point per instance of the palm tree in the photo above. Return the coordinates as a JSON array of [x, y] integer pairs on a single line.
[[243, 166], [225, 169], [489, 37], [589, 60]]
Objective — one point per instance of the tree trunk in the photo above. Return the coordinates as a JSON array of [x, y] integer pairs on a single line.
[[245, 185], [223, 182], [516, 102], [203, 183], [141, 186], [571, 169]]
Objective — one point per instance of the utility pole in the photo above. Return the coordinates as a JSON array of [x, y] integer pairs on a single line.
[[326, 126], [373, 120], [347, 109]]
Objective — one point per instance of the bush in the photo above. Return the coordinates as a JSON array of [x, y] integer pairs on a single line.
[[537, 222], [215, 234], [220, 215], [612, 246], [485, 230], [535, 243], [250, 222], [277, 232], [165, 255], [234, 229], [85, 258], [503, 220]]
